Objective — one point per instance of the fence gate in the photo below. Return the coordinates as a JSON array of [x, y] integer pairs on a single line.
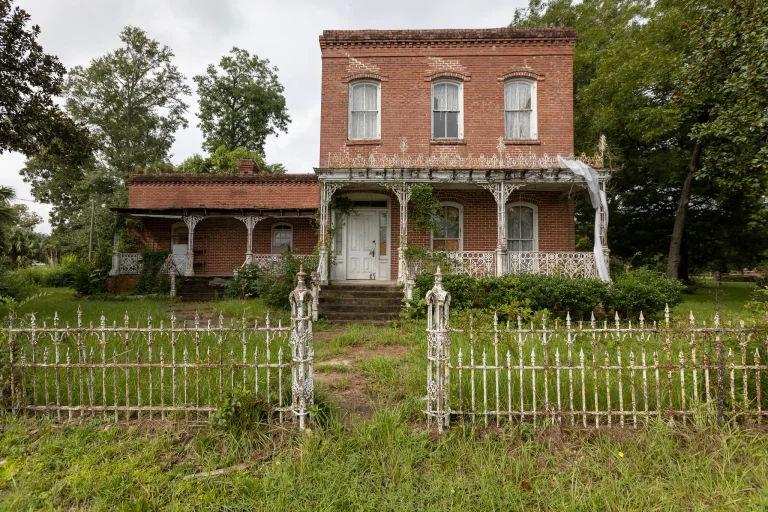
[[590, 374], [179, 370]]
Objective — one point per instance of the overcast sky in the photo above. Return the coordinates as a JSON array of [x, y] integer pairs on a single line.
[[201, 31]]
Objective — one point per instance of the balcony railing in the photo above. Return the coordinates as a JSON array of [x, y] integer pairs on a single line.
[[471, 263]]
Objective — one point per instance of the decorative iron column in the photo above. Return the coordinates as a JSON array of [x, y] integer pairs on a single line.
[[438, 354], [115, 270], [501, 191], [403, 193], [302, 351], [326, 193], [191, 221], [250, 222]]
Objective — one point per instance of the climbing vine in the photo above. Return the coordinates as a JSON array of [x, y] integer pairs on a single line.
[[149, 279], [424, 207]]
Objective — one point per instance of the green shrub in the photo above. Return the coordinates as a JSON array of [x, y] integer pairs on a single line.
[[275, 286], [643, 290], [632, 291], [150, 278], [15, 285], [91, 278], [49, 276]]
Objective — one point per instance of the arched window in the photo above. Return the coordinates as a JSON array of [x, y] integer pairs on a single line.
[[364, 108], [447, 235], [447, 118], [282, 238], [522, 227], [520, 109]]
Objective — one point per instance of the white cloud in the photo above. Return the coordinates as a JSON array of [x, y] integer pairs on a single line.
[[201, 31]]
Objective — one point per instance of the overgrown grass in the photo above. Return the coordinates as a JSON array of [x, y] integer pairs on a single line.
[[729, 298], [384, 464]]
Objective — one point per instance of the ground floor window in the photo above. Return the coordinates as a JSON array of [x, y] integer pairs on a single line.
[[447, 234], [282, 238], [522, 227]]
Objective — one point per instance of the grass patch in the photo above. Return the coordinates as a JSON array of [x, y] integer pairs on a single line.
[[384, 464], [730, 297]]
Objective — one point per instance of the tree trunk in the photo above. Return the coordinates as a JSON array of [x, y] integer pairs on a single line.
[[675, 245]]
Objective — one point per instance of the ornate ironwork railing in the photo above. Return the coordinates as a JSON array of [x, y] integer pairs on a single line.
[[273, 262], [567, 264], [130, 263], [471, 263]]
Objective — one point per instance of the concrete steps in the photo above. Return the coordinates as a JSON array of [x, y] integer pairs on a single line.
[[368, 303]]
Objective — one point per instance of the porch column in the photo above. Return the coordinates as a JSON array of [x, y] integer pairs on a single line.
[[501, 191], [326, 193], [604, 226], [250, 222], [403, 193], [115, 270], [191, 221]]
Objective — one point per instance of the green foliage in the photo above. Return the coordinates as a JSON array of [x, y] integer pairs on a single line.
[[274, 286], [243, 104], [15, 285], [521, 294], [224, 161], [342, 205], [240, 412], [150, 278], [91, 278], [30, 121], [424, 206]]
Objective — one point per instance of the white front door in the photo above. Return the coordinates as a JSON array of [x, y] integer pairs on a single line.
[[363, 230]]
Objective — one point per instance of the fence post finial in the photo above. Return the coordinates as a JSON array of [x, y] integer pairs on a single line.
[[438, 353]]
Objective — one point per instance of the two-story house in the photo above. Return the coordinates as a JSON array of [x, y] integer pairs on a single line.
[[481, 116]]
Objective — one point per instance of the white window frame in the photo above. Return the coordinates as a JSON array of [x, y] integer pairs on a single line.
[[272, 236], [534, 106], [432, 109], [461, 227], [535, 209], [352, 85]]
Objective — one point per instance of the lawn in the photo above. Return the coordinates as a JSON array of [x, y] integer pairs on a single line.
[[729, 298]]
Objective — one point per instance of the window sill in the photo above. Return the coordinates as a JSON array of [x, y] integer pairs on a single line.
[[448, 142], [522, 142], [364, 142]]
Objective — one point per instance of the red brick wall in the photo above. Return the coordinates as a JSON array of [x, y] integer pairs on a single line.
[[236, 194], [223, 240], [405, 71]]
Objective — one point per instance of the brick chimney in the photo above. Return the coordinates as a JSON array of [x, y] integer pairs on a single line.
[[248, 166]]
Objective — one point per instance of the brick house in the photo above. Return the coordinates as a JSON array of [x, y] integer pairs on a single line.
[[479, 115]]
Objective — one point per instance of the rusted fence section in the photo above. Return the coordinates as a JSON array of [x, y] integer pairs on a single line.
[[590, 374], [180, 370]]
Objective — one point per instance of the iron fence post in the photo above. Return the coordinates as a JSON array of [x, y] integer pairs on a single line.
[[438, 354], [302, 352]]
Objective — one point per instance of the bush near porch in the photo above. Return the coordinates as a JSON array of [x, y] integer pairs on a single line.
[[272, 285], [630, 293]]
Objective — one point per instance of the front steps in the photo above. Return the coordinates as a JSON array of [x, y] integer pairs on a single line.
[[365, 302]]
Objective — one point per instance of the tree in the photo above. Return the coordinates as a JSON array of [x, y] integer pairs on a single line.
[[131, 99], [629, 71], [7, 214], [30, 78], [26, 218], [241, 106], [224, 161]]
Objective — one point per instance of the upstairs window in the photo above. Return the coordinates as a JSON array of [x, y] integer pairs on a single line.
[[447, 234], [520, 109], [447, 118], [364, 107]]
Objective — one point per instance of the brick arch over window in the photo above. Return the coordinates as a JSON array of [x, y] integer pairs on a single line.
[[532, 75], [451, 197], [524, 197], [456, 75]]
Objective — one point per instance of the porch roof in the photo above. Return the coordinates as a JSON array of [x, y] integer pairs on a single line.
[[543, 176], [178, 213]]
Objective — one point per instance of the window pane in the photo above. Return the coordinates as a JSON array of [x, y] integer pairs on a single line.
[[438, 125], [357, 128], [358, 97], [513, 245], [518, 125], [339, 237], [370, 97], [526, 223], [452, 125], [451, 97], [452, 244], [371, 125], [517, 96], [451, 222], [438, 245], [439, 101], [527, 245], [513, 223], [382, 235]]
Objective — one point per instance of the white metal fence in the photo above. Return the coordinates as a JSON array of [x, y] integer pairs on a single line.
[[182, 369], [591, 374]]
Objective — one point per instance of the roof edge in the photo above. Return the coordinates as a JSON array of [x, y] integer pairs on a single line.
[[221, 178], [455, 35]]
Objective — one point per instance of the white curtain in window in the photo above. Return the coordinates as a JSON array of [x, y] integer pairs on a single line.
[[520, 229], [364, 119], [517, 104], [446, 97]]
